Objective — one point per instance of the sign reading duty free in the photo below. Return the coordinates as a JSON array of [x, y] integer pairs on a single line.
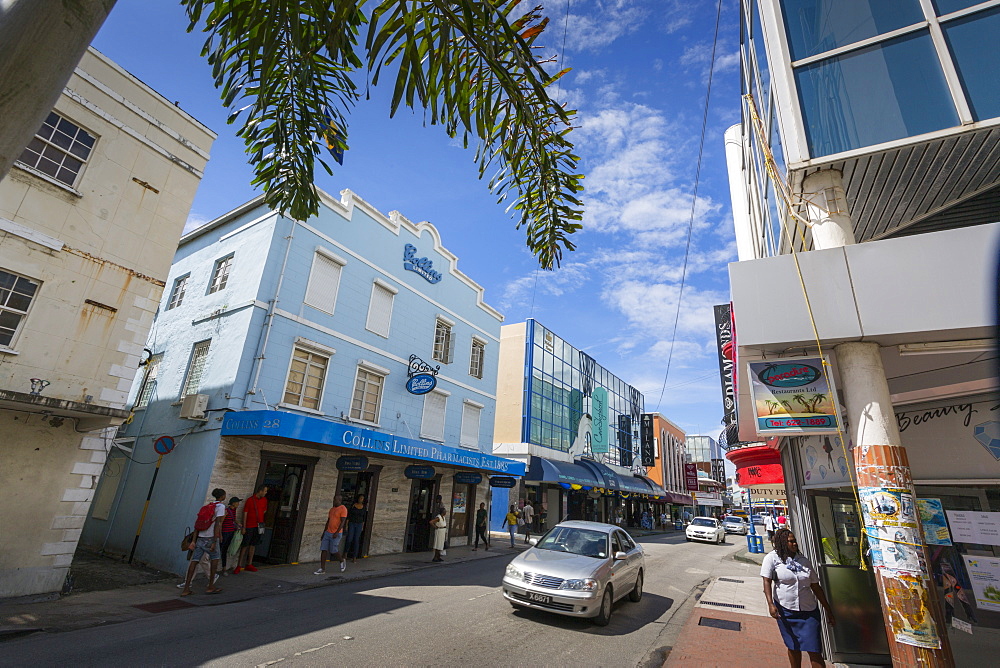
[[793, 396]]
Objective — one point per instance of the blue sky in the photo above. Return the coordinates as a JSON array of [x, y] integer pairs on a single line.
[[639, 74]]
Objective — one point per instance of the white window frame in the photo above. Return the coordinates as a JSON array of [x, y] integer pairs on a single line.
[[149, 375], [481, 344], [218, 276], [22, 315], [180, 285], [444, 345], [426, 416], [325, 299], [64, 151], [195, 368], [379, 284], [374, 370], [312, 348], [478, 407]]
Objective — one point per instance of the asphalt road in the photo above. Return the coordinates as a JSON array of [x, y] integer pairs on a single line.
[[447, 616]]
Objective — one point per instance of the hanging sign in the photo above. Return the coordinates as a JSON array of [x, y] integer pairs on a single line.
[[691, 477], [502, 481], [724, 341], [793, 396], [599, 421], [352, 463], [417, 472], [468, 478], [422, 383], [164, 445]]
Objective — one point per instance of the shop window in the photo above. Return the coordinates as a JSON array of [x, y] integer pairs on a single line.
[[324, 281], [477, 358], [16, 295], [196, 367], [367, 400], [220, 275], [972, 40], [380, 308], [443, 341], [471, 415], [148, 381], [178, 292], [306, 378], [815, 26], [59, 149], [432, 421]]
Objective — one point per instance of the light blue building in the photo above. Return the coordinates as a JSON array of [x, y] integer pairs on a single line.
[[343, 354]]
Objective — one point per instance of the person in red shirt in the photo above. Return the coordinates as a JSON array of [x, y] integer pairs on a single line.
[[333, 532], [254, 510]]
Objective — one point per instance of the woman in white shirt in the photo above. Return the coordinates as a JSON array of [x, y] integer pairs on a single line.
[[791, 587], [440, 525]]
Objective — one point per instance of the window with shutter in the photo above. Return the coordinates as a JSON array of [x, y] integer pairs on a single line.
[[470, 425], [196, 367], [443, 343], [367, 399], [476, 359], [380, 310], [306, 377], [148, 381], [432, 422], [324, 283]]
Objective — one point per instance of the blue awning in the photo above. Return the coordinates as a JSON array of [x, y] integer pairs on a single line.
[[610, 478], [548, 470], [657, 490], [633, 484]]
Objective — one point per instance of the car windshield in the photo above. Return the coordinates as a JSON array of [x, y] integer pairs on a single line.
[[703, 522], [586, 542], [733, 520]]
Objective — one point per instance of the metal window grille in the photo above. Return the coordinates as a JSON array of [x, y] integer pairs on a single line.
[[442, 342], [196, 367], [306, 377], [367, 398], [148, 381], [477, 358], [221, 274], [177, 294], [16, 295], [59, 149]]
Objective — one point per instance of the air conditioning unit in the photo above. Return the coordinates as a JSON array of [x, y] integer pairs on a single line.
[[194, 407]]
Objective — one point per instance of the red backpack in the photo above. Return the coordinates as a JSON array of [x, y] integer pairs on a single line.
[[206, 516]]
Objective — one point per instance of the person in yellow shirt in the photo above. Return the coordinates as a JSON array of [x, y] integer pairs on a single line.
[[511, 522]]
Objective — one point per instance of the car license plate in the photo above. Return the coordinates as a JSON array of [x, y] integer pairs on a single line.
[[539, 598]]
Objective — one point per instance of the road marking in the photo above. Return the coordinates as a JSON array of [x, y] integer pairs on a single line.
[[486, 594], [696, 571], [270, 663]]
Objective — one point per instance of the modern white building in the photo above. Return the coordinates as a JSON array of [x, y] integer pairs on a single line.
[[89, 220], [870, 146]]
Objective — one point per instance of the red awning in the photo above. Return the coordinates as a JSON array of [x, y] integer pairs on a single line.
[[758, 465]]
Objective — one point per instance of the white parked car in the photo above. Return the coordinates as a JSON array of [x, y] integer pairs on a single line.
[[705, 528], [578, 569]]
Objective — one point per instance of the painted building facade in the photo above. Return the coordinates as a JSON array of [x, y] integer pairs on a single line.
[[89, 219], [668, 469], [282, 355]]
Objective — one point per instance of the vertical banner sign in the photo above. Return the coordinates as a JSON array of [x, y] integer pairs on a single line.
[[648, 450], [724, 337], [691, 477], [599, 426], [793, 396]]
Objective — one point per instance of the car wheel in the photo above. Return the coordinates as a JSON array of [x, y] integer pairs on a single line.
[[687, 538], [722, 539], [603, 617], [636, 594]]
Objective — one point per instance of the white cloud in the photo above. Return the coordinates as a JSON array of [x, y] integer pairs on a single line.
[[195, 221]]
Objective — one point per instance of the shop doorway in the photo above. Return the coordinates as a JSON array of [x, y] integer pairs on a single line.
[[418, 527], [288, 479], [463, 510], [353, 483]]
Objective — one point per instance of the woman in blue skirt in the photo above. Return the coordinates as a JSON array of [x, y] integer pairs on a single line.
[[791, 587]]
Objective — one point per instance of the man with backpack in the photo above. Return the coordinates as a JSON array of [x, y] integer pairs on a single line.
[[208, 539]]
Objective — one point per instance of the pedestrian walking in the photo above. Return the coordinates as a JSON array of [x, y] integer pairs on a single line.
[[528, 515], [481, 525], [254, 512], [663, 521], [783, 522], [208, 528], [769, 527], [511, 523], [357, 515], [440, 525], [791, 587], [229, 529], [329, 544]]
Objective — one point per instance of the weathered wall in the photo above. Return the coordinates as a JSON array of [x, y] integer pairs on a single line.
[[510, 384]]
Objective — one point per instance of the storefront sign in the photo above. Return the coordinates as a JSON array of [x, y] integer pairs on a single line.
[[419, 265], [502, 481], [970, 526], [825, 462], [691, 477], [985, 575], [468, 478], [600, 425], [935, 525], [352, 463], [646, 440], [422, 383], [415, 472], [724, 342], [793, 396], [282, 424]]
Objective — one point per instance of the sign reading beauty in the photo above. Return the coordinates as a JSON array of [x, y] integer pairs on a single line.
[[793, 396]]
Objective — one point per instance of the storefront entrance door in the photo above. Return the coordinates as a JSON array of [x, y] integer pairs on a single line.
[[463, 510], [418, 527], [353, 484], [288, 479]]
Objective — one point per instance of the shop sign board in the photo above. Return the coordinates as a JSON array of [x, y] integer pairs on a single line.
[[421, 266], [724, 338], [646, 440], [600, 424], [422, 383], [984, 572], [793, 396], [969, 526], [826, 462], [502, 481], [691, 477], [416, 472], [352, 463], [934, 523], [468, 478]]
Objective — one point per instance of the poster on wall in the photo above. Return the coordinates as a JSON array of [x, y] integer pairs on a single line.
[[890, 515], [917, 628], [984, 572], [935, 525], [826, 462], [793, 396], [458, 503], [970, 526]]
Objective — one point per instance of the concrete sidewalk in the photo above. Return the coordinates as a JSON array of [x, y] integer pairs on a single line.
[[137, 601]]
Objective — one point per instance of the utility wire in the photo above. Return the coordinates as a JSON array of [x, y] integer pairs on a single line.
[[694, 202]]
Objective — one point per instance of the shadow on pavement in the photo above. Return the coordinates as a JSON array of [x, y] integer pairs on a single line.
[[626, 618]]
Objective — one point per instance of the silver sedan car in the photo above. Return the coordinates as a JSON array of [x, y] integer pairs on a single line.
[[578, 569]]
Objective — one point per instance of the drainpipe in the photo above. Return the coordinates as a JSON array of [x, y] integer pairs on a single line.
[[266, 330]]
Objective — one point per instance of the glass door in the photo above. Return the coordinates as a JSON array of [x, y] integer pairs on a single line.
[[286, 482], [463, 509], [418, 528], [354, 484]]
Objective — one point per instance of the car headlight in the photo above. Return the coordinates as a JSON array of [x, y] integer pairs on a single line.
[[513, 572], [586, 584]]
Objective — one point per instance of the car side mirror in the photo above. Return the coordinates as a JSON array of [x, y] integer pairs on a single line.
[[533, 542], [620, 556]]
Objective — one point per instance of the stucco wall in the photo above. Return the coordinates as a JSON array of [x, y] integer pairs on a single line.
[[510, 384]]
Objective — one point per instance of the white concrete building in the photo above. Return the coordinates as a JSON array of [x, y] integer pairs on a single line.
[[89, 220]]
